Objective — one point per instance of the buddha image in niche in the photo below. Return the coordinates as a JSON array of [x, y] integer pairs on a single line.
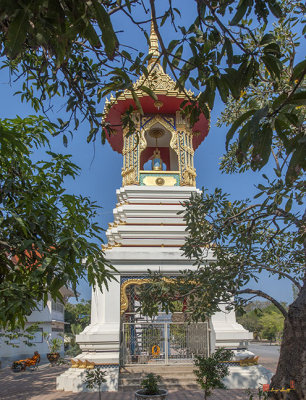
[[157, 163]]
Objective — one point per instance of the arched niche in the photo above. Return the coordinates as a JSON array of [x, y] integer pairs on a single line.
[[163, 143]]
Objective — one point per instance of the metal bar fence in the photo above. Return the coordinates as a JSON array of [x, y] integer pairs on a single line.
[[163, 343]]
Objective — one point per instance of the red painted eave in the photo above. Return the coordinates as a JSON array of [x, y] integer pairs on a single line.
[[170, 106]]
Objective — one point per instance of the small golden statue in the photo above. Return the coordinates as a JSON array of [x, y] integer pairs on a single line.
[[157, 162]]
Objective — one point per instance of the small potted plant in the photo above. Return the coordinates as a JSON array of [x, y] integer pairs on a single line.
[[54, 348], [17, 366], [150, 389]]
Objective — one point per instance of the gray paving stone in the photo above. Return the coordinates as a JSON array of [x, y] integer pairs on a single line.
[[40, 385]]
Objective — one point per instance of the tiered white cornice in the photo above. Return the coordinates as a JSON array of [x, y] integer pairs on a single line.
[[147, 216], [155, 195]]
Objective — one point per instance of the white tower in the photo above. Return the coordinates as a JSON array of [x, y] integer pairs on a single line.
[[147, 233]]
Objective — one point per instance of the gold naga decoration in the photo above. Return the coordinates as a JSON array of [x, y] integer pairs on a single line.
[[124, 301]]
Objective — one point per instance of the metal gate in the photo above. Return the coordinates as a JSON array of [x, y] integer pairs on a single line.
[[166, 342]]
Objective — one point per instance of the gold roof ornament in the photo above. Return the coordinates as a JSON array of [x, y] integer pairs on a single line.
[[154, 47], [158, 81]]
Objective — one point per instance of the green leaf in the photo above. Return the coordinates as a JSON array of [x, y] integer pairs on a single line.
[[195, 83], [241, 10], [126, 55], [267, 38], [256, 120], [172, 45], [288, 205], [223, 89], [109, 37], [177, 56], [281, 128], [232, 80], [229, 51], [292, 118], [17, 33], [136, 99], [298, 98], [273, 65], [299, 70], [272, 48], [275, 8], [279, 100], [297, 163], [92, 36], [148, 91], [210, 92], [264, 144], [236, 125]]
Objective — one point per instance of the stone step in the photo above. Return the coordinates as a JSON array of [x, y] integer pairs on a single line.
[[158, 368], [133, 388], [174, 377], [165, 378]]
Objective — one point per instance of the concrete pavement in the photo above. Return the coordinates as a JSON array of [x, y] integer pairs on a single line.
[[40, 385]]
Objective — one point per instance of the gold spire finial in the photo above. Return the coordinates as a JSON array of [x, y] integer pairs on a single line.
[[154, 48]]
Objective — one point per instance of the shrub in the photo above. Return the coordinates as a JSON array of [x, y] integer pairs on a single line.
[[211, 370]]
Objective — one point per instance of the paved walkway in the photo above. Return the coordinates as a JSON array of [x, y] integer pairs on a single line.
[[40, 385]]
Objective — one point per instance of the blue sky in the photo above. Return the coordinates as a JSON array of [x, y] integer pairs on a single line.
[[101, 166]]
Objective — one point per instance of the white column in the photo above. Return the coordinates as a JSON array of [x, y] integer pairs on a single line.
[[100, 341], [105, 304]]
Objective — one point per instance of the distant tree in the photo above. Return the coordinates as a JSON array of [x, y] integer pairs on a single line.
[[77, 315], [262, 318], [272, 325], [250, 320]]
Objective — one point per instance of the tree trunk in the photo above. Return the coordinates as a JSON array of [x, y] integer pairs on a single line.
[[292, 361]]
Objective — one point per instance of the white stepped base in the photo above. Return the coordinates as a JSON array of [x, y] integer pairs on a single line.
[[72, 380], [251, 377]]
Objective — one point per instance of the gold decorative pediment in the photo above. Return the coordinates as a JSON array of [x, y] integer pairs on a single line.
[[158, 119], [124, 301]]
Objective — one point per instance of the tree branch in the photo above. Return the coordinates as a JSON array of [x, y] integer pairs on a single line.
[[294, 281], [223, 27], [265, 296], [290, 94]]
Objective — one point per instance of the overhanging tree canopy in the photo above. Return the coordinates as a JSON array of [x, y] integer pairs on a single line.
[[49, 238]]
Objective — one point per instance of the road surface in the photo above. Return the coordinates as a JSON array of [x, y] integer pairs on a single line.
[[268, 355]]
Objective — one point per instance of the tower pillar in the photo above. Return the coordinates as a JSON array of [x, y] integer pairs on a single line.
[[99, 342]]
